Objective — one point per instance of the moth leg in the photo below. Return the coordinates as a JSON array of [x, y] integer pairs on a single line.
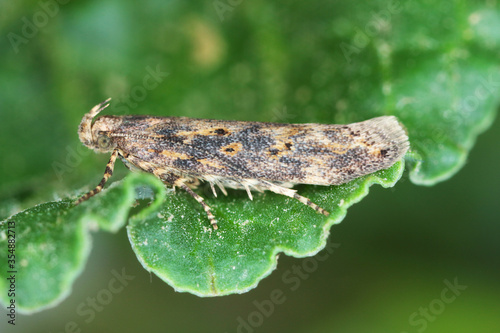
[[213, 189], [308, 202], [215, 181], [174, 180], [107, 173], [293, 194], [222, 188], [198, 198], [248, 190]]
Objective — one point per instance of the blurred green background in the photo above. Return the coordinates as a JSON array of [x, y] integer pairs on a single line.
[[247, 61]]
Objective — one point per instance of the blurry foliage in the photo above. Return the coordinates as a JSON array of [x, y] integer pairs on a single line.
[[434, 65]]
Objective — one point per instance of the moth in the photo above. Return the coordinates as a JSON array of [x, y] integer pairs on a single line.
[[254, 156]]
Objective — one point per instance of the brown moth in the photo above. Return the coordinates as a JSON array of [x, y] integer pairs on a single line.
[[246, 155]]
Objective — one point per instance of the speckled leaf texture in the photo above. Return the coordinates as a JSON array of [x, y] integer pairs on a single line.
[[434, 66]]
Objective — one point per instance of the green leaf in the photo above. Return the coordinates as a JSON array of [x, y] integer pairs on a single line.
[[178, 244], [172, 236], [448, 103], [50, 242], [432, 65]]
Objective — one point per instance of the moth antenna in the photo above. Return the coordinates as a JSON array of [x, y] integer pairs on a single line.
[[85, 129]]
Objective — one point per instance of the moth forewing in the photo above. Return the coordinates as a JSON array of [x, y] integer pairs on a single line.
[[254, 156]]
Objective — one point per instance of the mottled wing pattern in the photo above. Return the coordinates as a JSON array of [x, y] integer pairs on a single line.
[[249, 155], [296, 153]]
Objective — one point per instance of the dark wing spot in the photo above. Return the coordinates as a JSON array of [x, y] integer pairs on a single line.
[[220, 131], [274, 151], [232, 148], [384, 152], [288, 145]]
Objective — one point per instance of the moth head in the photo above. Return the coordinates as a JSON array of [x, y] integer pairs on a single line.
[[97, 135]]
